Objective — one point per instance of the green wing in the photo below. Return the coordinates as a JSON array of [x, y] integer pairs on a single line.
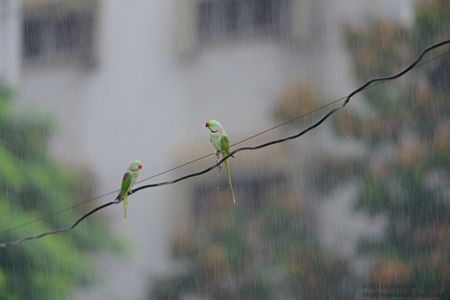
[[225, 144], [126, 184]]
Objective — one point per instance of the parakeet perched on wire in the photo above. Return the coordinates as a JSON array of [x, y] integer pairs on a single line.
[[219, 139], [129, 179]]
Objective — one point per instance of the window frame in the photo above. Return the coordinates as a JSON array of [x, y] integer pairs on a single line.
[[214, 22], [54, 46]]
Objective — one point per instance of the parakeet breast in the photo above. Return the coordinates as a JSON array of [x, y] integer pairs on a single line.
[[215, 140], [134, 176]]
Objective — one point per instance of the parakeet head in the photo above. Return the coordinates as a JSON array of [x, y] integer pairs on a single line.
[[213, 125], [135, 166]]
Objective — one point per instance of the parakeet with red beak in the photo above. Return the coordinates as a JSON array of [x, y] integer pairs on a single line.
[[219, 139], [129, 179]]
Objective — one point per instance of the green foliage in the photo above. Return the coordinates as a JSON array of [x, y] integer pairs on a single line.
[[261, 249], [406, 169], [432, 22], [32, 185], [295, 100]]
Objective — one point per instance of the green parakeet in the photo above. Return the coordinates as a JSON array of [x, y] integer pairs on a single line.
[[219, 139], [129, 179]]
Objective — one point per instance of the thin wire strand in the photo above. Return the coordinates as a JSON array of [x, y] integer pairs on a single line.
[[232, 153], [385, 78], [59, 211], [41, 235], [206, 155], [369, 83], [172, 169], [201, 157]]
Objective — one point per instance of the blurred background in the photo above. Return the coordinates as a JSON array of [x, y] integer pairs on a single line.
[[358, 207]]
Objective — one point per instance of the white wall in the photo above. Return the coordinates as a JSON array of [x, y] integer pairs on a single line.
[[10, 15]]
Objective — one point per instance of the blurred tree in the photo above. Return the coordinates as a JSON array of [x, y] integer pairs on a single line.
[[404, 175], [296, 100], [264, 247], [31, 185]]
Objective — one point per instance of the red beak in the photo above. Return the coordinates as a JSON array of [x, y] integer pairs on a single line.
[[207, 125], [140, 166]]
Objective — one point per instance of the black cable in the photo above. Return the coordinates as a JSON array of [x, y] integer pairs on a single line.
[[166, 171], [195, 174], [236, 151], [202, 157], [407, 69], [41, 235], [59, 211], [172, 169]]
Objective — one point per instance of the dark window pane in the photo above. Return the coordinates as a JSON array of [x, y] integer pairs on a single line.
[[68, 32], [33, 35], [54, 37], [230, 16], [205, 18], [241, 18], [263, 12]]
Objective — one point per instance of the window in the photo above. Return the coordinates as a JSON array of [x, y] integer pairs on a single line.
[[222, 19], [56, 35]]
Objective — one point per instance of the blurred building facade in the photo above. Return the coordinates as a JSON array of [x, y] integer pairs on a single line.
[[138, 80], [10, 18]]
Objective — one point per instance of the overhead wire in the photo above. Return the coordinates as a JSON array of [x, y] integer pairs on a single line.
[[371, 82], [204, 156], [81, 203], [51, 214]]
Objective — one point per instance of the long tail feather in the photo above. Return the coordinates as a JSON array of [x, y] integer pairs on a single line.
[[227, 168], [125, 203]]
